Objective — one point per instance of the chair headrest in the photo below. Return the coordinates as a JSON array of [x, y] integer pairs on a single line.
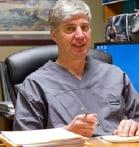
[[22, 63]]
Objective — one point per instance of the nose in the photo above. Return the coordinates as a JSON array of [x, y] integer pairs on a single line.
[[79, 34]]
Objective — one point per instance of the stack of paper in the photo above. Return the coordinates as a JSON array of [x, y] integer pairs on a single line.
[[46, 137], [116, 138]]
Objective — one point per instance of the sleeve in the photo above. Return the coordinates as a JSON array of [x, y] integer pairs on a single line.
[[31, 108], [131, 101]]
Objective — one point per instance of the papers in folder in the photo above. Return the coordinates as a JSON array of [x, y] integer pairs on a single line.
[[46, 137], [116, 138]]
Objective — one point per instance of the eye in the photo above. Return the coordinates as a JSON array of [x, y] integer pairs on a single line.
[[70, 29], [85, 27]]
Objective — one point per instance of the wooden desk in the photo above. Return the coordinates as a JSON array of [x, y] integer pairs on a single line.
[[5, 123], [98, 143], [2, 144]]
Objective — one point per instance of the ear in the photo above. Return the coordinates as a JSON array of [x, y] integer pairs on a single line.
[[53, 35]]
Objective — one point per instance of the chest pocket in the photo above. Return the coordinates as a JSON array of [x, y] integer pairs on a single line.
[[116, 104]]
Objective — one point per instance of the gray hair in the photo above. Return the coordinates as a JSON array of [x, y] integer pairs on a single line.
[[65, 9]]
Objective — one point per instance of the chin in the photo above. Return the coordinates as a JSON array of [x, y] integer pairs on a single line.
[[81, 51]]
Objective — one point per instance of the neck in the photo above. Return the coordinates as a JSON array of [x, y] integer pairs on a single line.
[[74, 67]]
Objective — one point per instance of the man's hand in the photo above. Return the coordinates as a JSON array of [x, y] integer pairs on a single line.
[[127, 128], [83, 124]]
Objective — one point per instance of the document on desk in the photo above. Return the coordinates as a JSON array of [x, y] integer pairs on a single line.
[[116, 138], [44, 137]]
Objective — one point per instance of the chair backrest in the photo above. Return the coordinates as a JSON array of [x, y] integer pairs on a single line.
[[20, 64]]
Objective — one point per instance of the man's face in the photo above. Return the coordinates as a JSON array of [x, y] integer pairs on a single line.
[[73, 37]]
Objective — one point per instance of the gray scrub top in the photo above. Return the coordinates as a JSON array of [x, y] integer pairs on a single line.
[[52, 97]]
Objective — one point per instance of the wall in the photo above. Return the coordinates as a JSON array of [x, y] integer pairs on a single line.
[[97, 21], [6, 50]]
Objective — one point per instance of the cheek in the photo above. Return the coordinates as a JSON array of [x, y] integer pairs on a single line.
[[89, 37], [64, 41], [67, 39]]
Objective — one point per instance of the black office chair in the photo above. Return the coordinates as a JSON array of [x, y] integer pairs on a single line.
[[20, 64]]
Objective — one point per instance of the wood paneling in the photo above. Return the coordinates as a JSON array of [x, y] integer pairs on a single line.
[[112, 9], [26, 42]]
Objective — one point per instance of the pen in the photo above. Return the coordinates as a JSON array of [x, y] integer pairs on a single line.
[[86, 112]]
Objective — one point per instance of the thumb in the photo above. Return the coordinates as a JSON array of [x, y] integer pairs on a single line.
[[94, 115]]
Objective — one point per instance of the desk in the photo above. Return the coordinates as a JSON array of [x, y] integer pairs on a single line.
[[5, 123], [98, 143], [2, 144]]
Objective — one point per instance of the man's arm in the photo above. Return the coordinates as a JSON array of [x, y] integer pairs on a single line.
[[129, 126], [31, 110]]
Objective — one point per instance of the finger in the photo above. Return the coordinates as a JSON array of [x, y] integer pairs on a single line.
[[89, 121], [126, 127], [94, 115], [86, 125], [90, 118], [87, 132], [121, 127], [80, 117], [82, 124], [133, 128], [88, 128], [130, 128], [137, 132], [115, 132]]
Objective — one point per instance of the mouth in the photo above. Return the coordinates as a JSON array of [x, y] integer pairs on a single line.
[[78, 45], [79, 48]]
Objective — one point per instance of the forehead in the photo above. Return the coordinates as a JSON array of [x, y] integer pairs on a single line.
[[75, 19]]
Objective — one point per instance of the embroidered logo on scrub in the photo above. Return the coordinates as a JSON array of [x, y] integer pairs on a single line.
[[114, 100]]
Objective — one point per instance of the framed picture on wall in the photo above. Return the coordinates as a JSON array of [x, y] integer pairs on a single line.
[[24, 19], [106, 2]]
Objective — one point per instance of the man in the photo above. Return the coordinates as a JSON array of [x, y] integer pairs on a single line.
[[56, 94]]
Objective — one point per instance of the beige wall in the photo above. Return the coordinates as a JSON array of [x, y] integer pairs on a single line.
[[7, 50], [97, 21]]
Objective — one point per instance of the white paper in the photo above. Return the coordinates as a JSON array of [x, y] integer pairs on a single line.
[[57, 135], [116, 138]]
